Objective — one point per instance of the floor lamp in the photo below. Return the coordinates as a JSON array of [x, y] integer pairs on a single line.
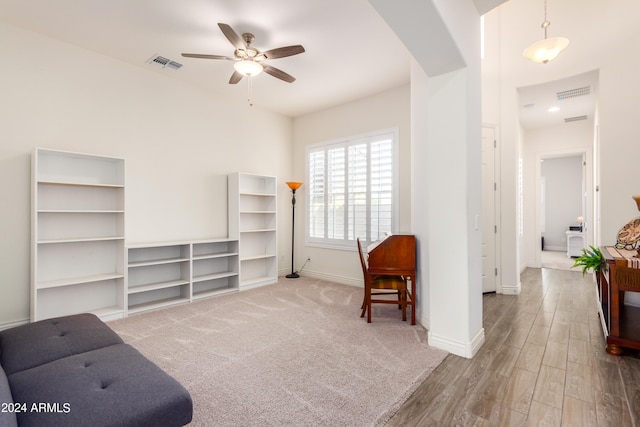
[[293, 186]]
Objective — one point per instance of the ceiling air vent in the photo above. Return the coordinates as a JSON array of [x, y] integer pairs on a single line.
[[572, 93], [575, 119], [164, 63]]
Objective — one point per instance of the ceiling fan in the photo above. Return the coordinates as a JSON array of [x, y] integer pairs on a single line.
[[249, 61]]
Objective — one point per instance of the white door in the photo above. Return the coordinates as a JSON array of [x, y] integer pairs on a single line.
[[489, 230]]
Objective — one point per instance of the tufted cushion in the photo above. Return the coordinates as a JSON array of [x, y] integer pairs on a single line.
[[7, 418], [111, 386], [37, 343]]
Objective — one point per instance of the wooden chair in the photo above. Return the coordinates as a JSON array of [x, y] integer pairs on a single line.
[[382, 285]]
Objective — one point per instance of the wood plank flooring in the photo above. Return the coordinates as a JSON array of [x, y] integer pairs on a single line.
[[543, 363]]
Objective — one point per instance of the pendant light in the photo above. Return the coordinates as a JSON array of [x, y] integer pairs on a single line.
[[546, 49]]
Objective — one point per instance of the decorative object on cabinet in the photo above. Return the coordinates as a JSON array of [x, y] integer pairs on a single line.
[[77, 232], [169, 273], [591, 259], [293, 186], [629, 234], [252, 221]]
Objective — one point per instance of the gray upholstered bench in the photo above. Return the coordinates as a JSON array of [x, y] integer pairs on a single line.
[[76, 371]]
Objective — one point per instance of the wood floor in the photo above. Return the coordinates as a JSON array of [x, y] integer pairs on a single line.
[[543, 364]]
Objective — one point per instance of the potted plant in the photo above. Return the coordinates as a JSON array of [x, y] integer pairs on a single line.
[[591, 259]]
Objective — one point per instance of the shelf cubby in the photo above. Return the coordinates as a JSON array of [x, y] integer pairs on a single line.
[[163, 274]]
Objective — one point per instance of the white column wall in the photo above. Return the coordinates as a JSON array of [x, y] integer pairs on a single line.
[[446, 165]]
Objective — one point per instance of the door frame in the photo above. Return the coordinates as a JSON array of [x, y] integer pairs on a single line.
[[497, 204], [587, 201]]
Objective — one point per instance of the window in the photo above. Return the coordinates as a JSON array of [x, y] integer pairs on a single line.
[[352, 190]]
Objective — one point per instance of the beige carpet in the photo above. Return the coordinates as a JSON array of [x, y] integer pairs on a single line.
[[293, 353]]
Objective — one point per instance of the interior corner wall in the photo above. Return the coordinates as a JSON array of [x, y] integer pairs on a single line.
[[179, 143], [389, 109]]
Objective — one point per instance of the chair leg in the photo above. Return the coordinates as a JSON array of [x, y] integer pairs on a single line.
[[364, 306], [403, 300]]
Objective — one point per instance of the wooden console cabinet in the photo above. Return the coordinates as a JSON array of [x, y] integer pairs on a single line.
[[620, 322]]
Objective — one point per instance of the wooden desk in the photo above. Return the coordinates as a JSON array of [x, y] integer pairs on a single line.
[[620, 323], [396, 256]]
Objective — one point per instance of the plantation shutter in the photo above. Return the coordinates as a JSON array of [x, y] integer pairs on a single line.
[[351, 190]]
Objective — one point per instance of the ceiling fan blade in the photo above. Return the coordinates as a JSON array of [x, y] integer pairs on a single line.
[[198, 55], [279, 74], [235, 78], [282, 52], [232, 36]]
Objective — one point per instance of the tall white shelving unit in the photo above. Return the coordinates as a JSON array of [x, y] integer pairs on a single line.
[[252, 220], [78, 243]]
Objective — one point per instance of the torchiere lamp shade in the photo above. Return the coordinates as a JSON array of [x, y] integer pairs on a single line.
[[294, 185]]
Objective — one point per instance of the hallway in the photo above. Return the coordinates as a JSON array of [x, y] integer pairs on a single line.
[[543, 363]]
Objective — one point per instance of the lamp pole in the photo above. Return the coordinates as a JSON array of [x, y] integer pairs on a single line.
[[293, 186]]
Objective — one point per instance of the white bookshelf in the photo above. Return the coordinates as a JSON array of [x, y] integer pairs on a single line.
[[252, 220], [77, 254], [170, 273], [215, 267]]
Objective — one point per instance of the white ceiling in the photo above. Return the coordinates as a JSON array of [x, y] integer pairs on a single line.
[[344, 41], [544, 105], [350, 50]]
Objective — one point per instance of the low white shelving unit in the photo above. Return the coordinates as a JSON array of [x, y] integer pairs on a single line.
[[169, 273], [77, 253], [252, 220]]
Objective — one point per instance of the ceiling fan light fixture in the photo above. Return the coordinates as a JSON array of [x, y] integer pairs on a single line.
[[248, 68]]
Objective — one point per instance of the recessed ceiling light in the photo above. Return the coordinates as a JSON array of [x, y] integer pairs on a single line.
[[553, 109]]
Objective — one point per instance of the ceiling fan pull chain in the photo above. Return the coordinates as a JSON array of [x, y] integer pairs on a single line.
[[250, 90]]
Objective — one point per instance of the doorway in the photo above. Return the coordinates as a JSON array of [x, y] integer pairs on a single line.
[[564, 200], [562, 209]]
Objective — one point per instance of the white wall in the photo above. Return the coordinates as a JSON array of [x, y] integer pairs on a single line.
[[562, 200], [179, 143], [386, 110]]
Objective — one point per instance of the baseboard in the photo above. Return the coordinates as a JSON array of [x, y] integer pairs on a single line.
[[462, 349], [8, 325], [512, 290], [332, 278], [555, 248]]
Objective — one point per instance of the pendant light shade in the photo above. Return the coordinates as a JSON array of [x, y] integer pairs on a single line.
[[546, 49]]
